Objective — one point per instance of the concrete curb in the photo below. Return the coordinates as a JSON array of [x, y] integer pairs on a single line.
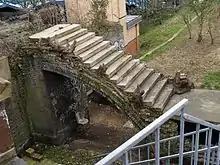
[[7, 155]]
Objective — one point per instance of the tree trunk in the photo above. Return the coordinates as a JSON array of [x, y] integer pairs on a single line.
[[201, 21], [199, 39], [210, 32], [189, 31]]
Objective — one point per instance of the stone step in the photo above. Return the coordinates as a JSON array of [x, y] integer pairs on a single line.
[[163, 98], [64, 31], [83, 38], [91, 52], [100, 56], [139, 80], [87, 45], [155, 92], [149, 83], [132, 76], [72, 36], [109, 60], [47, 32], [117, 65], [125, 70]]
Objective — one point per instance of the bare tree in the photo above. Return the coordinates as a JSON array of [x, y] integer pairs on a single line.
[[210, 31], [187, 20], [201, 8], [212, 10]]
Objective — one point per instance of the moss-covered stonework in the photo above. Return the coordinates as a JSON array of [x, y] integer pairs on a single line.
[[73, 67], [33, 103]]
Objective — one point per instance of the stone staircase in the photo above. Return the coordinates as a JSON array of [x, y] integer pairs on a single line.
[[127, 73]]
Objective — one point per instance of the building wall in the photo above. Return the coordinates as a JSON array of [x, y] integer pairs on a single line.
[[6, 142], [132, 40], [78, 10], [133, 47]]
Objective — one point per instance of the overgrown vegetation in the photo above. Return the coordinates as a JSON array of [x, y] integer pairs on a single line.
[[98, 20], [97, 14], [65, 156]]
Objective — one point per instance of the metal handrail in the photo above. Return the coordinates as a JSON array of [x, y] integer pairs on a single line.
[[121, 150], [188, 153], [200, 121], [171, 138]]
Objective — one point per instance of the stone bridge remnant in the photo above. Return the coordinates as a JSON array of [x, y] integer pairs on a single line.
[[50, 84]]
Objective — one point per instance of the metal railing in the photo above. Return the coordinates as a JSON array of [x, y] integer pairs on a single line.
[[185, 148]]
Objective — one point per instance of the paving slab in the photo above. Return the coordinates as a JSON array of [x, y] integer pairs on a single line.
[[16, 161], [203, 103]]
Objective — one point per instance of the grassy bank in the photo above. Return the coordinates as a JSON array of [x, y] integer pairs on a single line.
[[212, 80], [152, 36]]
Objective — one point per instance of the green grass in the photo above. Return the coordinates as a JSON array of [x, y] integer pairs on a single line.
[[179, 40], [43, 162], [151, 36], [212, 80]]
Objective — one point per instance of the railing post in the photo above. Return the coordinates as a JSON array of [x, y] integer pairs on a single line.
[[125, 160], [206, 145], [182, 128], [196, 154], [157, 146], [193, 143], [209, 146], [148, 154], [218, 152], [168, 161], [213, 157]]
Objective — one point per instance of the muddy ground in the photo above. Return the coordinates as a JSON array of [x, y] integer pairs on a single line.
[[105, 132]]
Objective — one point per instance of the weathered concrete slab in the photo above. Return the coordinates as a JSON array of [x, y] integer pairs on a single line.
[[5, 89], [47, 32], [203, 103], [4, 68], [8, 157], [16, 161]]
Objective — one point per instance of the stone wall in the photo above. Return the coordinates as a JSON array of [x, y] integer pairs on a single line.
[[18, 120], [48, 101]]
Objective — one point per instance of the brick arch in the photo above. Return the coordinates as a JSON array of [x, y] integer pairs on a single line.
[[106, 88]]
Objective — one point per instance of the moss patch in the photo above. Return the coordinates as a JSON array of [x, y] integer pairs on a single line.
[[212, 80], [43, 162], [68, 157]]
